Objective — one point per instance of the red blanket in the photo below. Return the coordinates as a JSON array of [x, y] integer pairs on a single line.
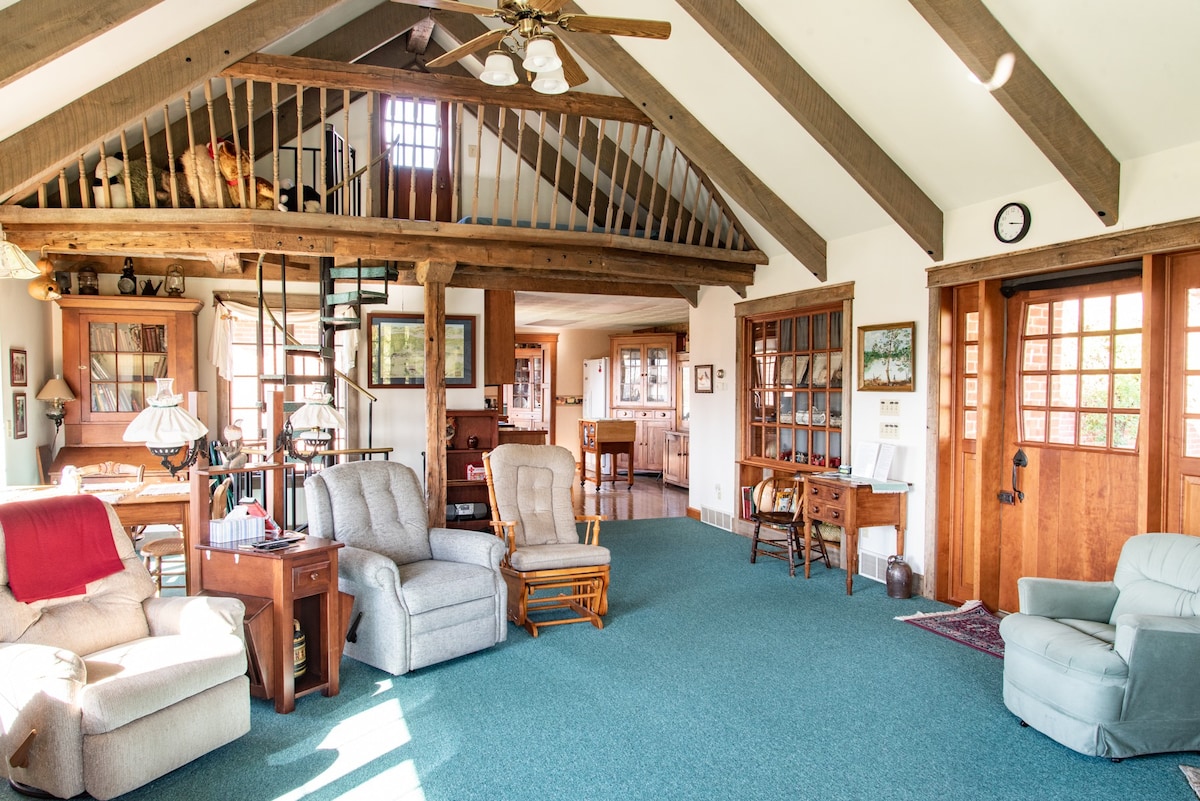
[[55, 546]]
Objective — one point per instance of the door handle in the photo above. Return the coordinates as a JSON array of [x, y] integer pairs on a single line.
[[1019, 460]]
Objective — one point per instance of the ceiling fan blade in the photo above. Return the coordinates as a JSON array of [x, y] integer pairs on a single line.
[[451, 5], [571, 69], [547, 6], [615, 26], [478, 43]]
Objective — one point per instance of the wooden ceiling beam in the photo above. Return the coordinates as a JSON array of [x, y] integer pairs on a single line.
[[671, 117], [1030, 98], [727, 22], [35, 32], [56, 139]]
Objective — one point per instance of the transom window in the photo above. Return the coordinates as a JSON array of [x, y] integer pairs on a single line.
[[412, 130], [1080, 371]]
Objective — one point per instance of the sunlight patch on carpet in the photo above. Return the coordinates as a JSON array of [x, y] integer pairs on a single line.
[[971, 624], [1193, 778]]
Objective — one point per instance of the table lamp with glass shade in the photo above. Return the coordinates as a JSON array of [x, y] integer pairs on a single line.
[[56, 393], [307, 430], [166, 428]]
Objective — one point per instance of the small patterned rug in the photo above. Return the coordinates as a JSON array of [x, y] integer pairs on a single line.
[[971, 624]]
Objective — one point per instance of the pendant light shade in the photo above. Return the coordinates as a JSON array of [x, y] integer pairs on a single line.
[[541, 55], [551, 83], [13, 261], [498, 70]]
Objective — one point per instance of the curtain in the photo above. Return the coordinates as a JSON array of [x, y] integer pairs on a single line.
[[220, 353]]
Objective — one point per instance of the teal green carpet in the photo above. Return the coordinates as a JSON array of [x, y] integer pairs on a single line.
[[712, 679]]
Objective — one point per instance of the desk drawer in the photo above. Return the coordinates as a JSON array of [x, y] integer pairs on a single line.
[[829, 493], [311, 578]]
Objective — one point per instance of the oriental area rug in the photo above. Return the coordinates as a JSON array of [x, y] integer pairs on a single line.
[[971, 624]]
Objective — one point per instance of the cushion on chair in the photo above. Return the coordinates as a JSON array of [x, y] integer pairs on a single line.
[[1158, 574], [551, 557], [1064, 645], [533, 487], [428, 584], [379, 507]]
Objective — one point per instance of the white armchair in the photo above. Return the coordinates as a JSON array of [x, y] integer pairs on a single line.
[[106, 691]]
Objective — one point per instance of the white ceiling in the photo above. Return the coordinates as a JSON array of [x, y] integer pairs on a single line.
[[1130, 69]]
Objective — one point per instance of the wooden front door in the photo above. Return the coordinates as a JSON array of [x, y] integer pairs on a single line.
[[1182, 403], [417, 175], [1072, 397]]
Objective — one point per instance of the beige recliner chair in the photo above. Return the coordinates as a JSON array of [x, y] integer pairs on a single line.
[[106, 691]]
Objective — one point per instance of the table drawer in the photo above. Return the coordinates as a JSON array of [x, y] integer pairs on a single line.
[[827, 512], [311, 578], [829, 493]]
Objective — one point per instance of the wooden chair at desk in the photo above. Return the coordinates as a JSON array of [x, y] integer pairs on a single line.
[[154, 551], [779, 505], [105, 472]]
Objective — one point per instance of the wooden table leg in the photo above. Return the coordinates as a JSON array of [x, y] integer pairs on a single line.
[[851, 558]]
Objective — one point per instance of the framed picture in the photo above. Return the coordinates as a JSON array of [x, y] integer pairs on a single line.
[[20, 422], [886, 355], [18, 375], [704, 378], [398, 350]]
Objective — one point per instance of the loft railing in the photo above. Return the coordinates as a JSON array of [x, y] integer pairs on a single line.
[[578, 162]]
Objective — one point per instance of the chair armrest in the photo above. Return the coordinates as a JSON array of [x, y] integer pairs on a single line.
[[469, 547], [591, 533], [1157, 648], [28, 670], [196, 615], [506, 530], [368, 569], [1082, 600], [1138, 632]]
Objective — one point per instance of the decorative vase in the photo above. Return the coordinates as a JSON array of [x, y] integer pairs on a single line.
[[299, 651], [899, 578], [472, 441]]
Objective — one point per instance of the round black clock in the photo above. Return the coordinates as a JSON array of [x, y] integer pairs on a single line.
[[1012, 222]]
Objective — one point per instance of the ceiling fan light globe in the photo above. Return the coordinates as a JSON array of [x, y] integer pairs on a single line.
[[541, 55], [498, 70], [551, 82]]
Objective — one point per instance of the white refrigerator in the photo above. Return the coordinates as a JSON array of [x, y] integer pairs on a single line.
[[595, 388]]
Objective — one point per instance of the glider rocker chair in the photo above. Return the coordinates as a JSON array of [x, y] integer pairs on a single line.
[[529, 487], [1109, 668], [421, 595], [103, 686], [779, 505]]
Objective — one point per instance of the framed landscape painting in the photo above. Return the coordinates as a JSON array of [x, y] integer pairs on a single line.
[[398, 350], [886, 357]]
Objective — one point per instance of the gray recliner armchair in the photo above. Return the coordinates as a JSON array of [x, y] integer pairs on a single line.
[[1109, 668], [421, 595]]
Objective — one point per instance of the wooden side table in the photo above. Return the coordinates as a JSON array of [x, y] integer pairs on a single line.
[[598, 437], [851, 503], [301, 584]]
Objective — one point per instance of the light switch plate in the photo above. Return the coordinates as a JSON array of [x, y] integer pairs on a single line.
[[889, 431], [889, 408]]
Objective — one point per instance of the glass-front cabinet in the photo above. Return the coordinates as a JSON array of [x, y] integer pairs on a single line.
[[794, 394], [644, 370], [530, 390]]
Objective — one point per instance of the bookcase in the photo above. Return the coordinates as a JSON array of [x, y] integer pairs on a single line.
[[114, 347], [462, 453]]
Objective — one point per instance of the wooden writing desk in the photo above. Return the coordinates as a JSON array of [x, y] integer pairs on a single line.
[[600, 437], [851, 504]]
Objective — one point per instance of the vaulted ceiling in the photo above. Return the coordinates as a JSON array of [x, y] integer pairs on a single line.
[[817, 120]]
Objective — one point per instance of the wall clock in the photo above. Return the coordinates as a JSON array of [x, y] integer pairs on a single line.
[[1012, 222]]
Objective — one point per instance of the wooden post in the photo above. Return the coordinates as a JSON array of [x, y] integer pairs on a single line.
[[434, 275]]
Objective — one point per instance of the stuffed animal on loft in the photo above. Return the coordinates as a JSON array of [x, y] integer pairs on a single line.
[[235, 167], [111, 172], [287, 198]]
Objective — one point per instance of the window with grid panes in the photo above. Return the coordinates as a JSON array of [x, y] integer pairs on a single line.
[[1081, 363], [413, 131], [795, 387], [242, 387]]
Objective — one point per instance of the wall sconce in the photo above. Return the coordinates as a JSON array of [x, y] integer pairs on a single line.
[[56, 393], [165, 427], [307, 430]]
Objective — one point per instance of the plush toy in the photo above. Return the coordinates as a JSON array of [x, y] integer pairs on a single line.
[[234, 166], [287, 198], [112, 171]]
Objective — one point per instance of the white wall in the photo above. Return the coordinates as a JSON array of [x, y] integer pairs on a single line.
[[26, 325]]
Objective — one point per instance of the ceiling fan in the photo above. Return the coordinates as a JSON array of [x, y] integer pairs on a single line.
[[531, 20]]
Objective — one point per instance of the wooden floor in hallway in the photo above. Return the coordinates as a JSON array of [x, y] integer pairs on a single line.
[[648, 498]]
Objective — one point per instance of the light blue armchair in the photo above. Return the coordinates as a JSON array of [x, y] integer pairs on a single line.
[[421, 595], [1110, 668]]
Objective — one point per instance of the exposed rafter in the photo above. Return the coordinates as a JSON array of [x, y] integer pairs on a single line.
[[1029, 97], [671, 117], [35, 32], [826, 121], [57, 138]]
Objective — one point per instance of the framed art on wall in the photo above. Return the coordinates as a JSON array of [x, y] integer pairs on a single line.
[[704, 378], [398, 350], [18, 374], [886, 357], [20, 423]]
